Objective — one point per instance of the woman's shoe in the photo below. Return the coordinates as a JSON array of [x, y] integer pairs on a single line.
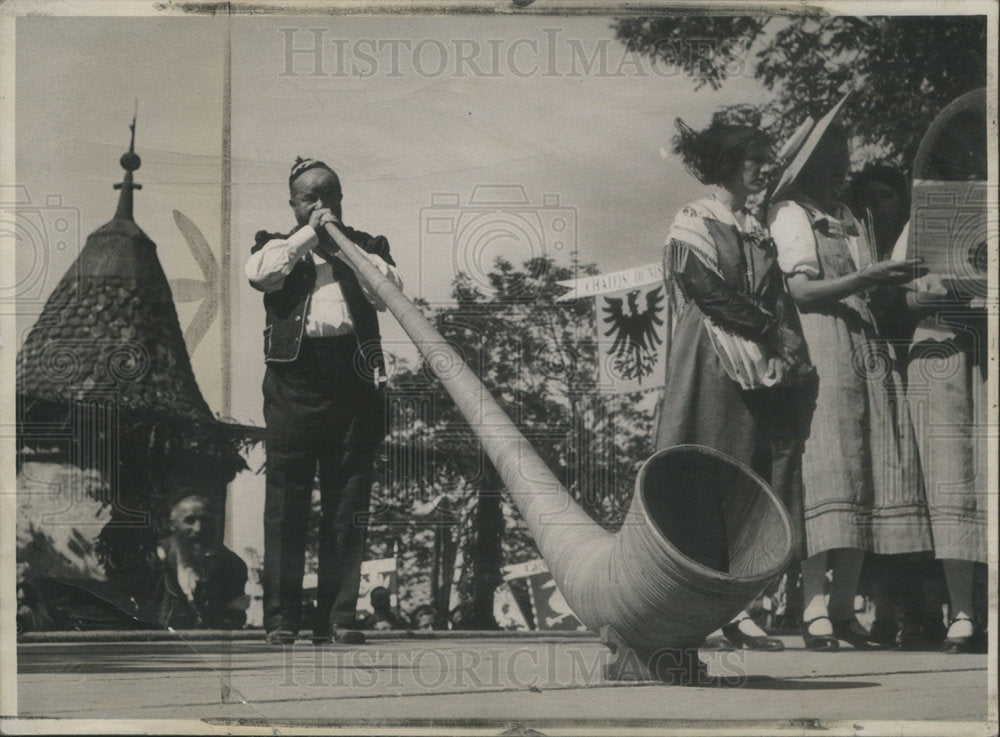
[[741, 639], [820, 643], [718, 641], [852, 631], [975, 642]]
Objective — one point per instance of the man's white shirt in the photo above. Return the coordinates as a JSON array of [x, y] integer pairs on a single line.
[[328, 313]]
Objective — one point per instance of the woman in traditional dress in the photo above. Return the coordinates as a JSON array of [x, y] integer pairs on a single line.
[[879, 198], [859, 490], [738, 377], [947, 395]]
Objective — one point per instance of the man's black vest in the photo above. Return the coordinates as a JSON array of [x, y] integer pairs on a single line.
[[286, 307]]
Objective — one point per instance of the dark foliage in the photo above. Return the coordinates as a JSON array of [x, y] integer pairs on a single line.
[[903, 69], [538, 359]]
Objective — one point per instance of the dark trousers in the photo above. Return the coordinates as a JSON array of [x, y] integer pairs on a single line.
[[322, 418]]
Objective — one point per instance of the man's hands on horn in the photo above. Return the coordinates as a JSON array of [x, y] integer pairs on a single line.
[[318, 219]]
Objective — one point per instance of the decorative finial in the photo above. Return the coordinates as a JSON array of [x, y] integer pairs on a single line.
[[130, 162]]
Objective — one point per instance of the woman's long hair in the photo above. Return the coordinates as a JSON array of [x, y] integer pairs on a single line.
[[716, 154]]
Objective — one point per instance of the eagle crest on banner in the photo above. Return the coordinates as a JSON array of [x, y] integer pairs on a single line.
[[636, 339]]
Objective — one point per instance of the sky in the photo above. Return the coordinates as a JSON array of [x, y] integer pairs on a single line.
[[546, 119]]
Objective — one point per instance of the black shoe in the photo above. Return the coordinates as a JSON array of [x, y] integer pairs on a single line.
[[346, 636], [718, 642], [852, 632], [886, 633], [970, 644], [321, 636], [341, 636], [741, 639], [820, 643], [346, 633], [280, 637]]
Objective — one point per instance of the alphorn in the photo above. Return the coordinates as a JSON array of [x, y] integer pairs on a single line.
[[702, 537]]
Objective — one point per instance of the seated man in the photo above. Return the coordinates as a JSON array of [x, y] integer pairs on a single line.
[[426, 618], [382, 618], [200, 582]]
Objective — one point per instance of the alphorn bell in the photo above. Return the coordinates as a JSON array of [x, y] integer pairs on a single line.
[[703, 536]]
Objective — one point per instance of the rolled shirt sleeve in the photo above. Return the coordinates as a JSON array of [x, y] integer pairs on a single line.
[[793, 235], [267, 268]]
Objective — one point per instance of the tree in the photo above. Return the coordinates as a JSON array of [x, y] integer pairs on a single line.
[[903, 69], [539, 360]]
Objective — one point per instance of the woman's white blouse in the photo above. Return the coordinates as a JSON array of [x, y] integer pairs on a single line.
[[792, 231]]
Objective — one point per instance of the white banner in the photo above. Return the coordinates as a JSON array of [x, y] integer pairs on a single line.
[[631, 328], [590, 286], [551, 610], [375, 573], [523, 570]]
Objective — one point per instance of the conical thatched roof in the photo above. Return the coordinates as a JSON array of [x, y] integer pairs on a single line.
[[111, 325], [105, 384], [110, 332]]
